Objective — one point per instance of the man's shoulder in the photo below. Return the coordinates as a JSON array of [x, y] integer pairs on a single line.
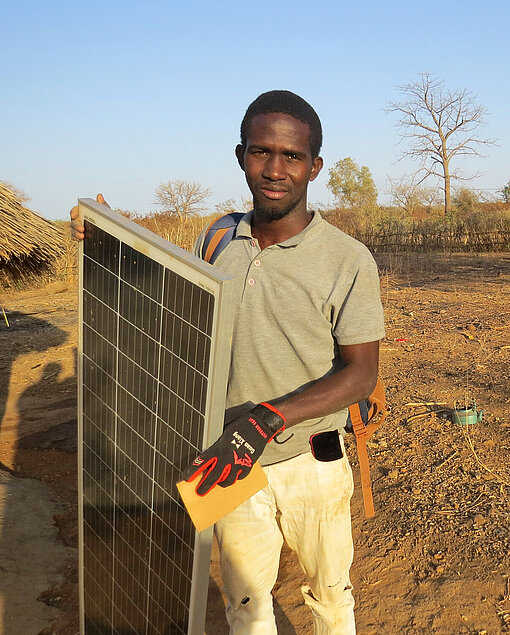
[[335, 239]]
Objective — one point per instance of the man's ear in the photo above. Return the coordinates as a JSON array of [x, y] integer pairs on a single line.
[[240, 156], [317, 164]]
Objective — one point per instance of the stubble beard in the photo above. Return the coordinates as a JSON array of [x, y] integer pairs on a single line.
[[271, 214]]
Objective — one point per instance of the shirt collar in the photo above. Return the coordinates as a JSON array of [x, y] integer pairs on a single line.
[[244, 229]]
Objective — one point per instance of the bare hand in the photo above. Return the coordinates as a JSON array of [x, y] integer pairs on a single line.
[[77, 229]]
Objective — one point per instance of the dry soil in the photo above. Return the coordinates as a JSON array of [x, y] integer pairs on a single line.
[[435, 558]]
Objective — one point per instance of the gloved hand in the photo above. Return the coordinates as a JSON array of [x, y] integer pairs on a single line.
[[233, 455]]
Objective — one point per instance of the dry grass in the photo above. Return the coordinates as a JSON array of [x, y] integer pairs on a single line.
[[180, 232], [184, 232], [387, 231], [65, 267]]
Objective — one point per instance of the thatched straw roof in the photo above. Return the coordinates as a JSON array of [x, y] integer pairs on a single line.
[[26, 239]]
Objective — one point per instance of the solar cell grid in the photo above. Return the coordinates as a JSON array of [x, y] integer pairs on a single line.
[[147, 349]]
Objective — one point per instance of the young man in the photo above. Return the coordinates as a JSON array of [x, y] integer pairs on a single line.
[[304, 347], [305, 340]]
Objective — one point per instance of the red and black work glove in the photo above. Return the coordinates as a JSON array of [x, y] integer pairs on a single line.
[[233, 455]]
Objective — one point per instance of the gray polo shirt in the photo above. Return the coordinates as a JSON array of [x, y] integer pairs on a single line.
[[296, 302]]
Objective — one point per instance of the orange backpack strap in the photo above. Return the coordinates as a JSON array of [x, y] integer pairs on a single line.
[[378, 410], [218, 235], [363, 431], [360, 432], [215, 240]]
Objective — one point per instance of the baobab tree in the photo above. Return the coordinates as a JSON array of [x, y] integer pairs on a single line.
[[438, 125]]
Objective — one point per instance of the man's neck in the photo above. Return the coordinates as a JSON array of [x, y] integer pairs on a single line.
[[270, 232]]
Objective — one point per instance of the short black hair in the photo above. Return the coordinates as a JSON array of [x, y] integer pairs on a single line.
[[289, 104]]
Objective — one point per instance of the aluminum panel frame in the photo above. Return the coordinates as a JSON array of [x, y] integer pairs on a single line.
[[201, 274]]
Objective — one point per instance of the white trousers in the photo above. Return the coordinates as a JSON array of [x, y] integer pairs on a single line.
[[307, 502]]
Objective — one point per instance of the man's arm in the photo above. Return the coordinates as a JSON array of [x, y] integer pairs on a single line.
[[243, 440], [333, 393]]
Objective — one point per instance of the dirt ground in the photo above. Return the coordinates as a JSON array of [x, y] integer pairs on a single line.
[[435, 558]]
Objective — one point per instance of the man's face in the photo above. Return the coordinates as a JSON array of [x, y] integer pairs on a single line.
[[278, 164]]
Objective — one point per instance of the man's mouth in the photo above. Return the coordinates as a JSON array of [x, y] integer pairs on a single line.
[[274, 195]]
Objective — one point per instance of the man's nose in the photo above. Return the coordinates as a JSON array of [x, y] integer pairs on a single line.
[[274, 168]]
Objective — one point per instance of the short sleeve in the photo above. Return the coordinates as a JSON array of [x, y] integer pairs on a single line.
[[357, 312]]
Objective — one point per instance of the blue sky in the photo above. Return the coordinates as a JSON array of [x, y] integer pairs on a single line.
[[119, 97]]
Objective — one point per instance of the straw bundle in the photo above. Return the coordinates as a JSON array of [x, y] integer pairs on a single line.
[[28, 243]]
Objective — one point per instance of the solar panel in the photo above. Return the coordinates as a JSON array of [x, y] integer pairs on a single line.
[[155, 325]]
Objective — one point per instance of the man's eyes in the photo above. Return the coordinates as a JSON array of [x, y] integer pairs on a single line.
[[288, 155]]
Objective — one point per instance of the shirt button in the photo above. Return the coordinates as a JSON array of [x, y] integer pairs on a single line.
[[253, 243], [257, 263], [251, 281]]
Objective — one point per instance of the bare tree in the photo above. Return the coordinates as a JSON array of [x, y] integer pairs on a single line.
[[19, 194], [438, 125], [231, 205], [408, 195], [182, 198]]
